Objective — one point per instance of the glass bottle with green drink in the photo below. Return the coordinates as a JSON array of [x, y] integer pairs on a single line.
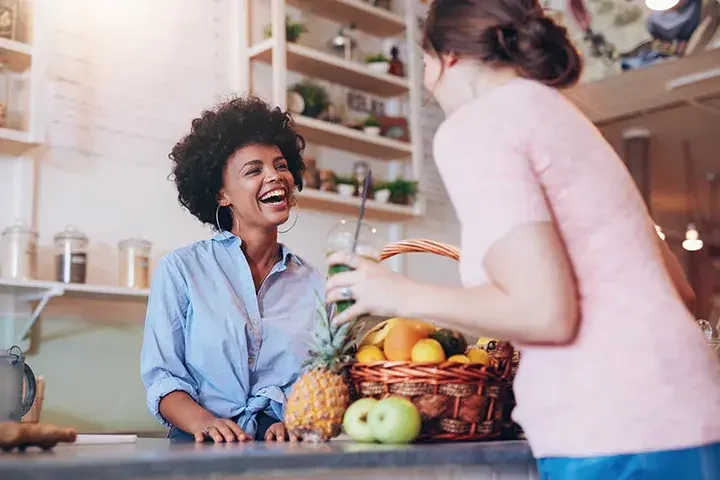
[[341, 239]]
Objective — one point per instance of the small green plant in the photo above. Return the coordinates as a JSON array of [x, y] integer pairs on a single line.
[[315, 96], [402, 191], [293, 30], [371, 121], [376, 58]]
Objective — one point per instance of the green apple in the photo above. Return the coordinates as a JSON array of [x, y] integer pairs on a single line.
[[395, 420], [355, 420]]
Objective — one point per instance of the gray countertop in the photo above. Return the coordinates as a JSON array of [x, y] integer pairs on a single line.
[[153, 457]]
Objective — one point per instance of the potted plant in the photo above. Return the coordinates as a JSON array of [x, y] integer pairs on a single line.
[[402, 191], [315, 96], [293, 30], [378, 63], [371, 126], [382, 192], [345, 186]]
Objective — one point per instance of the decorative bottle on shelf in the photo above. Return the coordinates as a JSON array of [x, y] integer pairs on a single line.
[[360, 171], [328, 181], [343, 43], [4, 93], [311, 177], [396, 65]]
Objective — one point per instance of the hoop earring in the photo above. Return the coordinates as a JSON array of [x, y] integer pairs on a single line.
[[297, 214], [217, 218]]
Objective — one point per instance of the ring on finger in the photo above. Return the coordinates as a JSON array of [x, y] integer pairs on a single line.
[[345, 292], [206, 430]]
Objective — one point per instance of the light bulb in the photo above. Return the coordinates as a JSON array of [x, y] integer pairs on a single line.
[[692, 242], [661, 5], [660, 233]]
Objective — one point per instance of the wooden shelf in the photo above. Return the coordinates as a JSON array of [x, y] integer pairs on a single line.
[[15, 142], [74, 290], [637, 92], [344, 138], [333, 202], [17, 55], [370, 19], [317, 64]]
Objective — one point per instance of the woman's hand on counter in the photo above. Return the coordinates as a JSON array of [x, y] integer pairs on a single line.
[[219, 430], [278, 433], [375, 288]]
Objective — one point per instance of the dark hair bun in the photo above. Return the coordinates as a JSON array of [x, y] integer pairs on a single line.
[[504, 33], [546, 54]]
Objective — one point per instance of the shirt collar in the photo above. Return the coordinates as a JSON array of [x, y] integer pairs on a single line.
[[224, 236]]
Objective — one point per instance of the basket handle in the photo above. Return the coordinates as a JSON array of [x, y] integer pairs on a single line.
[[419, 245]]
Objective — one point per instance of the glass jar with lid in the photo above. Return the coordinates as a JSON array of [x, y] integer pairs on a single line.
[[18, 252], [71, 250], [134, 262]]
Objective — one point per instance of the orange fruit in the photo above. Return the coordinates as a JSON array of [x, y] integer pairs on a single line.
[[426, 327], [427, 350], [459, 359], [369, 354], [477, 355], [400, 341]]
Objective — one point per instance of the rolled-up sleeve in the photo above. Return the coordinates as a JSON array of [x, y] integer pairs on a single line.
[[162, 358]]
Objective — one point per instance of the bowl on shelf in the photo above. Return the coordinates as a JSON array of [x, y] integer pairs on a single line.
[[346, 190], [382, 196], [378, 67]]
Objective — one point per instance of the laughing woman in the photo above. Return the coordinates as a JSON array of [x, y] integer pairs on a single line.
[[228, 317]]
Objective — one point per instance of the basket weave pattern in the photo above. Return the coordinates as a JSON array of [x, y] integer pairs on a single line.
[[457, 401]]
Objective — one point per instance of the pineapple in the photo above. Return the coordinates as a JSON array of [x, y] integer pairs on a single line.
[[319, 398]]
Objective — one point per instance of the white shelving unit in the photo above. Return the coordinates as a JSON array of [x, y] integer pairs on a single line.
[[25, 58], [333, 202], [72, 290], [22, 301], [369, 19], [19, 142], [283, 57]]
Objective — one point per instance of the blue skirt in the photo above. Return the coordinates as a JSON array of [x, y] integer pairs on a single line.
[[700, 463]]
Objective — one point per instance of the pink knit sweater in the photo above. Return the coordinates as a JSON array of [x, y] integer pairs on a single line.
[[639, 376]]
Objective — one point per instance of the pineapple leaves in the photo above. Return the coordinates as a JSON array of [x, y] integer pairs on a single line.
[[331, 344]]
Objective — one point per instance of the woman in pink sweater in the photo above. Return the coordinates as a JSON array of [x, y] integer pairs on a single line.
[[559, 256]]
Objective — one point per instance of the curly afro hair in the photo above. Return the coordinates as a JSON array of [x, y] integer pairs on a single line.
[[200, 158]]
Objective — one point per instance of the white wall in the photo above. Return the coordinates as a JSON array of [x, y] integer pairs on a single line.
[[126, 78]]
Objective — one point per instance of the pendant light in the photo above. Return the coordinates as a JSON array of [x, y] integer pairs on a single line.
[[661, 5], [692, 242]]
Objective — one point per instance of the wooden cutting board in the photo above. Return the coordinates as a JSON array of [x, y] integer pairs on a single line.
[[23, 435]]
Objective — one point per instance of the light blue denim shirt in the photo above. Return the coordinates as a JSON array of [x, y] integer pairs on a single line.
[[208, 333]]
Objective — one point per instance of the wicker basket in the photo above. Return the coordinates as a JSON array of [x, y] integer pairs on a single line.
[[458, 402]]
